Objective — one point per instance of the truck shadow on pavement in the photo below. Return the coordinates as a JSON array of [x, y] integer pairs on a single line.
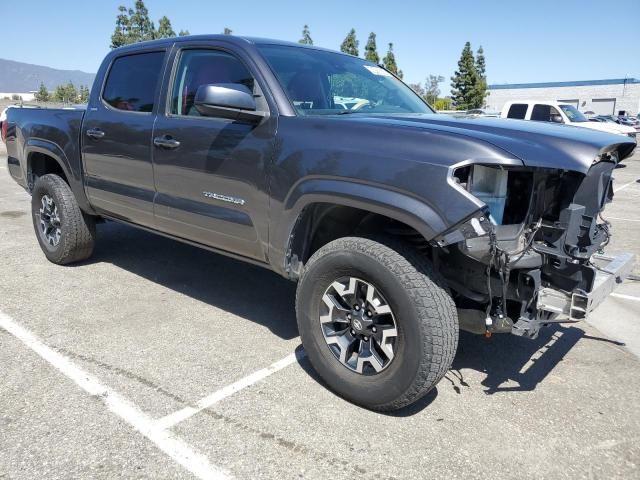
[[242, 289], [506, 363]]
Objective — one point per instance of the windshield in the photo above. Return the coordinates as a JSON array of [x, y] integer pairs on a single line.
[[326, 83], [573, 113]]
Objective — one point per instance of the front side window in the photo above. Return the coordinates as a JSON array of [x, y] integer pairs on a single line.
[[318, 82], [204, 67], [517, 110], [132, 81], [573, 113]]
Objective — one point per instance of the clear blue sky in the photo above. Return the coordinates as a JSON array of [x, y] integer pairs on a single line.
[[524, 41]]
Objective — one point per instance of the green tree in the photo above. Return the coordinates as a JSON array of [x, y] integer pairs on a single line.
[[134, 25], [481, 69], [83, 95], [183, 33], [389, 61], [71, 93], [465, 81], [350, 44], [164, 28], [141, 27], [442, 103], [66, 93], [121, 36], [371, 50], [227, 31], [306, 36], [433, 88], [43, 94]]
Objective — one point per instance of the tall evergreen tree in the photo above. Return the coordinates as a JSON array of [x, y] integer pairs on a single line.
[[120, 35], [227, 31], [465, 81], [83, 95], [481, 69], [389, 61], [43, 94], [141, 26], [350, 44], [306, 36], [134, 25], [164, 28], [371, 50]]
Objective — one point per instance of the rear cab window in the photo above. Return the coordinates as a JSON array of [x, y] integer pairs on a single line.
[[132, 82], [518, 110]]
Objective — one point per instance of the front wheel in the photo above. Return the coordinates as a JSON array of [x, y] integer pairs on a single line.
[[376, 321], [64, 232]]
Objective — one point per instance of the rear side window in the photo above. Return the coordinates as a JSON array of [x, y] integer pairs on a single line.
[[132, 81], [517, 110]]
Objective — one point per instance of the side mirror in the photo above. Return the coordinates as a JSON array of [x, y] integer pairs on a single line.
[[227, 100], [555, 118]]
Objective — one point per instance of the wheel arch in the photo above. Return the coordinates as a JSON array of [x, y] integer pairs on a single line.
[[44, 157], [319, 211]]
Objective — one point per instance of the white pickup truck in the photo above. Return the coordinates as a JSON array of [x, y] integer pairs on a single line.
[[550, 111]]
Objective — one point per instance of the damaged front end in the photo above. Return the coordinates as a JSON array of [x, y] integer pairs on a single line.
[[533, 255]]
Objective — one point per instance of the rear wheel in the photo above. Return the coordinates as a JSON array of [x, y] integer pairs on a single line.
[[376, 321], [64, 232]]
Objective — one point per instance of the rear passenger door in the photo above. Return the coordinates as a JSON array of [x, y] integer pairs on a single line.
[[212, 173], [116, 137]]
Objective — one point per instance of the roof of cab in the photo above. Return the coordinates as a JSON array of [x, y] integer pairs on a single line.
[[234, 39]]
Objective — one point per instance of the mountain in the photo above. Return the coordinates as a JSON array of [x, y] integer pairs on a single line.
[[18, 77]]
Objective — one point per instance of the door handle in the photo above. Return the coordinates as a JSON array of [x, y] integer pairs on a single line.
[[166, 141], [95, 133]]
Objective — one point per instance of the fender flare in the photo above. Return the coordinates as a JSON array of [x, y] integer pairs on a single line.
[[36, 145], [74, 177], [349, 193]]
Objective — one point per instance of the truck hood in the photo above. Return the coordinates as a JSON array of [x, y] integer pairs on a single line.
[[606, 127], [536, 144]]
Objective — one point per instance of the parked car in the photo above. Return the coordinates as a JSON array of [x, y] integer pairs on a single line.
[[556, 112], [399, 225]]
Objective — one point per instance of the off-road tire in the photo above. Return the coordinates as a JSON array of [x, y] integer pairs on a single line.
[[426, 316], [78, 229]]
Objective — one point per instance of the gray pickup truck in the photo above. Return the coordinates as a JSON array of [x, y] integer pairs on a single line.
[[400, 226]]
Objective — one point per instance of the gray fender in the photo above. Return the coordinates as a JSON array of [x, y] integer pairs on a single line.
[[52, 150], [393, 204]]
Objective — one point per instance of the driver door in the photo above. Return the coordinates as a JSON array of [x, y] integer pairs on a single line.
[[211, 173]]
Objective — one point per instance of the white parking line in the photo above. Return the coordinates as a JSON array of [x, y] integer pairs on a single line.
[[626, 297], [181, 415], [622, 187], [173, 446], [623, 219]]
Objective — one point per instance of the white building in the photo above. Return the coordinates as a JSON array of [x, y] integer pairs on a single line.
[[26, 96], [603, 97]]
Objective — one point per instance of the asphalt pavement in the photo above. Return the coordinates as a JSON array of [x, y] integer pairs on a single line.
[[155, 359]]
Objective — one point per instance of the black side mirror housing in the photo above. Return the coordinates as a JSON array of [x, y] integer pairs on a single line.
[[227, 100]]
